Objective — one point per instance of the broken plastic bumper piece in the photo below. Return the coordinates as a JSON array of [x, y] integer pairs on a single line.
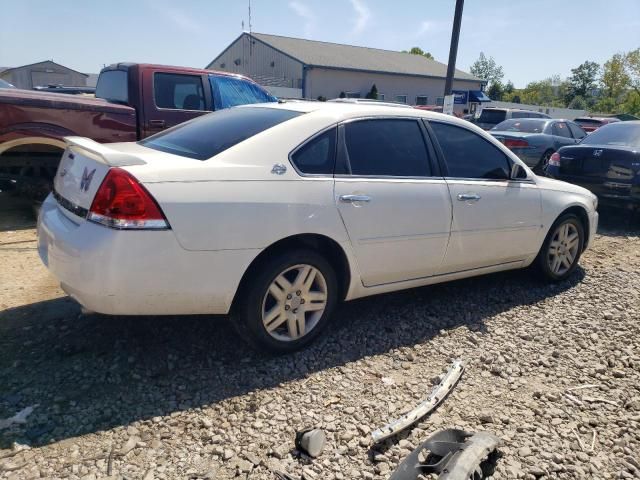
[[453, 454], [437, 395]]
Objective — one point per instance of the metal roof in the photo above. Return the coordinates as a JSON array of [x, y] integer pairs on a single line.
[[349, 57]]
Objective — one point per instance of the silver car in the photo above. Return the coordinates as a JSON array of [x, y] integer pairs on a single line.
[[534, 140]]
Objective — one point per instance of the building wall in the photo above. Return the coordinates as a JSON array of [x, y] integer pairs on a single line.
[[330, 83], [553, 112], [261, 62], [44, 73]]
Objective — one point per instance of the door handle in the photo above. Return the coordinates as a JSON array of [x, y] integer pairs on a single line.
[[469, 197], [156, 123], [355, 198]]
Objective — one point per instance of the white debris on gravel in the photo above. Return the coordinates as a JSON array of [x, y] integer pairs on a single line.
[[553, 370]]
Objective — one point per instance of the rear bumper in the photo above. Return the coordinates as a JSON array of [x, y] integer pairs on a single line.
[[136, 272]]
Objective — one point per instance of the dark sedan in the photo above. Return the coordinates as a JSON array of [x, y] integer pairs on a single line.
[[535, 139], [607, 162]]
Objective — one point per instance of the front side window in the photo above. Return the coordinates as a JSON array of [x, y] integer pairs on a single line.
[[492, 116], [520, 115], [178, 91], [208, 135], [317, 156], [386, 147], [560, 129], [232, 91], [468, 155]]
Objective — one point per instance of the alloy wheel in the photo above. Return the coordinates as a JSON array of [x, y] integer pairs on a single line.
[[294, 302], [563, 248]]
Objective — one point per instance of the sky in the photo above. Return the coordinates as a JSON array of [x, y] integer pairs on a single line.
[[531, 39]]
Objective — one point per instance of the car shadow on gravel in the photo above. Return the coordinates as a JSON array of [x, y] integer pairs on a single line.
[[91, 373]]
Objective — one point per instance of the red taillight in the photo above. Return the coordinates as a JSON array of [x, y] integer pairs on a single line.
[[554, 160], [515, 143], [122, 202]]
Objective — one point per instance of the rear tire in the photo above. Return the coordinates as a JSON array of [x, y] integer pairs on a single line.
[[541, 167], [562, 248], [286, 302]]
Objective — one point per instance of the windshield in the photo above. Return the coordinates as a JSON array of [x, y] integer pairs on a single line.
[[618, 134], [492, 116], [207, 136], [526, 126]]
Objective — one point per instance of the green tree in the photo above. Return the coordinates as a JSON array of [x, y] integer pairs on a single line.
[[419, 51], [632, 63], [373, 93], [615, 80], [578, 103], [509, 88], [496, 91], [583, 80], [487, 69]]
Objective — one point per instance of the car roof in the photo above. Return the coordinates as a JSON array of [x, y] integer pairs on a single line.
[[345, 110]]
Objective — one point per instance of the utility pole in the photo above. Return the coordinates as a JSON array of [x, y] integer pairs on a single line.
[[453, 50]]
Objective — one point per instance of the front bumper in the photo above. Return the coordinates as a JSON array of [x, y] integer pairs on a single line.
[[127, 272]]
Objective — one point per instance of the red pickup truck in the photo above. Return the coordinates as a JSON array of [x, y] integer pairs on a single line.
[[132, 101]]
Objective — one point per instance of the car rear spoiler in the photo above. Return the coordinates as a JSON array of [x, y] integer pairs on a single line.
[[102, 153]]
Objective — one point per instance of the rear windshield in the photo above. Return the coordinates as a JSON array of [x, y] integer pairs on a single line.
[[588, 121], [207, 136], [615, 134], [522, 125], [492, 116], [113, 86]]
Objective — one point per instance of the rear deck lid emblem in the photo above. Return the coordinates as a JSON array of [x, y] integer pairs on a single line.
[[278, 169], [87, 176]]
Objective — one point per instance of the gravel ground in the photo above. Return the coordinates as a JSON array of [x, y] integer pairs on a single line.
[[181, 397]]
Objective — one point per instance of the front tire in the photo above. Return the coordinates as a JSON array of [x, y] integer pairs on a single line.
[[286, 301], [561, 250]]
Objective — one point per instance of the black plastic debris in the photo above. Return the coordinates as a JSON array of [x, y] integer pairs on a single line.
[[453, 454]]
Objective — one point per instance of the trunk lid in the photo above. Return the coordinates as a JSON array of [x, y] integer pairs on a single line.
[[84, 165], [605, 170]]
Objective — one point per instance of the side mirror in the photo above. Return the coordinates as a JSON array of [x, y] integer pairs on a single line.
[[517, 172]]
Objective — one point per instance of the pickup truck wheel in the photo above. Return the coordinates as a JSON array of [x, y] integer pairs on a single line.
[[287, 302], [561, 250]]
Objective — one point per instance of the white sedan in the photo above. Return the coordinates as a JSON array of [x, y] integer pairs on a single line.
[[276, 212]]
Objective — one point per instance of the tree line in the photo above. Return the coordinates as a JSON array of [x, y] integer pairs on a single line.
[[613, 87]]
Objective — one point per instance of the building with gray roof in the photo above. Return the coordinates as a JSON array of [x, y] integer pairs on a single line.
[[296, 67]]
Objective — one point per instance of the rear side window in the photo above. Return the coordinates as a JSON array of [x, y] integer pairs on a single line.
[[317, 156], [577, 132], [113, 86], [178, 92], [386, 147], [231, 91], [207, 136], [468, 155], [560, 129]]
